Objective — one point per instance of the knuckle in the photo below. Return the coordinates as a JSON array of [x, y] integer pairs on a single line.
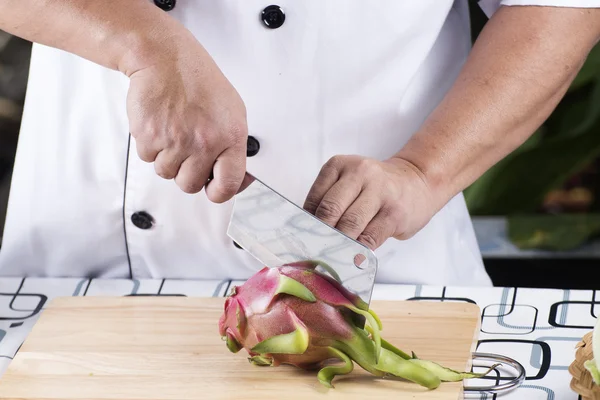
[[396, 216], [213, 139], [163, 174], [403, 236], [154, 134], [144, 157], [138, 127], [145, 154], [328, 209], [334, 164], [369, 238], [227, 188], [203, 140], [166, 165], [331, 169], [148, 134], [351, 221], [188, 185], [164, 171], [368, 167], [398, 220], [311, 203], [173, 139], [190, 188], [237, 131], [219, 196]]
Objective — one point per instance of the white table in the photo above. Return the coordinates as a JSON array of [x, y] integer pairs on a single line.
[[537, 327]]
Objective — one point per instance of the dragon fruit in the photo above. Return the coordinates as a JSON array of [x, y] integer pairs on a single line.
[[295, 315]]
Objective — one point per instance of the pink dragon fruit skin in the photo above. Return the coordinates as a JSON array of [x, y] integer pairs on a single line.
[[255, 312], [295, 315]]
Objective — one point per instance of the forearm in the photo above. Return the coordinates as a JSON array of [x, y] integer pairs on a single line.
[[121, 35], [520, 67]]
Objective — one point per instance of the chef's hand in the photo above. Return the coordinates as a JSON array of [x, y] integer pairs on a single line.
[[371, 200], [188, 119]]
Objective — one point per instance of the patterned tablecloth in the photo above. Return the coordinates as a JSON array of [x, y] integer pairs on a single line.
[[537, 327]]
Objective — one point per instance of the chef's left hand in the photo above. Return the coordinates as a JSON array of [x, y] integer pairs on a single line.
[[371, 200]]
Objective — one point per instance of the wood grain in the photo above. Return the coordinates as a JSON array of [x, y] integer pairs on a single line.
[[169, 348]]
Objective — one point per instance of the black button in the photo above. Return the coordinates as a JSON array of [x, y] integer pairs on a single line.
[[166, 5], [237, 245], [252, 147], [142, 220], [273, 16]]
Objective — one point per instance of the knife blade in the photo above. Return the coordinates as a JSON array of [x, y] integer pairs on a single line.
[[276, 231]]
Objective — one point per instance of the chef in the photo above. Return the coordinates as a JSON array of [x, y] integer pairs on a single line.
[[373, 115]]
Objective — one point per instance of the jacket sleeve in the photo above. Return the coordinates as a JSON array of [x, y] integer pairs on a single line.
[[489, 7]]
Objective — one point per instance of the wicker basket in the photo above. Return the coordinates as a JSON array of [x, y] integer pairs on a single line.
[[581, 381]]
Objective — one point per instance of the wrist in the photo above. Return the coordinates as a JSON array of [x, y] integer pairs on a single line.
[[154, 41], [429, 167]]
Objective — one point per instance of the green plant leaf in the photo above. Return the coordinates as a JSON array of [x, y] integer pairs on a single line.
[[560, 232], [574, 113], [589, 71], [479, 195], [519, 183], [577, 112], [593, 111]]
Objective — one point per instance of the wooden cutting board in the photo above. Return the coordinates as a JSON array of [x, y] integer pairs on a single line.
[[169, 348]]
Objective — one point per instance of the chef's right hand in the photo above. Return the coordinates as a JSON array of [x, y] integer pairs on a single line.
[[188, 119]]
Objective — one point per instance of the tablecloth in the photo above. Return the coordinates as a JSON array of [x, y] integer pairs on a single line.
[[537, 327]]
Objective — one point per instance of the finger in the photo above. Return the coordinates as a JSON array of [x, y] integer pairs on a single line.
[[337, 199], [358, 215], [193, 173], [167, 163], [248, 179], [329, 174], [147, 152], [377, 231], [229, 170]]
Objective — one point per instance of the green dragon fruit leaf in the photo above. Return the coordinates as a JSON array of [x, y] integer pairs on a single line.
[[295, 342], [326, 267], [449, 375], [260, 360], [232, 344], [292, 287], [327, 374], [388, 346], [394, 361], [393, 364], [444, 373], [375, 324]]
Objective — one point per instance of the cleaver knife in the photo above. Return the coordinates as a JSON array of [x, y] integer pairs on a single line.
[[276, 231]]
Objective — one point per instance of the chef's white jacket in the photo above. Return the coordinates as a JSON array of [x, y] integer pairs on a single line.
[[318, 77]]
